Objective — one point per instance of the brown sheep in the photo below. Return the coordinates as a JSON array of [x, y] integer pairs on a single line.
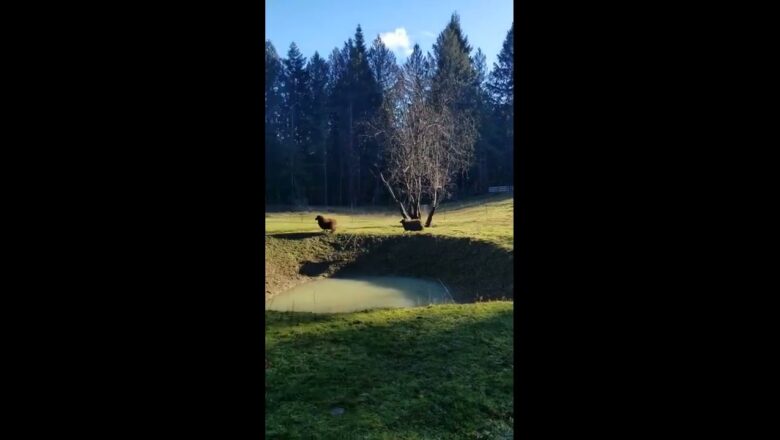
[[412, 225], [326, 223]]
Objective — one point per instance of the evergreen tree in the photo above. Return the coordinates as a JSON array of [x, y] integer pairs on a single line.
[[296, 130], [340, 102], [318, 74], [479, 177], [336, 71], [454, 70], [453, 83], [367, 100], [418, 75], [273, 108], [501, 87], [385, 71], [318, 143], [501, 83], [355, 98], [383, 64]]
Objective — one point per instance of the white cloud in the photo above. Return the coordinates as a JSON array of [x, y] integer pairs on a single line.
[[397, 41], [427, 33]]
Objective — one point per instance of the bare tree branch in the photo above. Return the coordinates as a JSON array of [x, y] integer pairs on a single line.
[[426, 145]]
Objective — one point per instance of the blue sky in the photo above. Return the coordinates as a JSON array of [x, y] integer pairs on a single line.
[[322, 25]]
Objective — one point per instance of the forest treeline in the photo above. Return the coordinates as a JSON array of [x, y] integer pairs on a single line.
[[321, 147]]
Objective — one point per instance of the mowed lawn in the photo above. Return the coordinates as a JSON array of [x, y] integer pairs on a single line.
[[485, 218], [437, 372]]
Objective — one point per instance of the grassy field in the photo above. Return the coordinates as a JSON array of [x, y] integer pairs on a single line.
[[423, 373], [489, 219], [436, 372]]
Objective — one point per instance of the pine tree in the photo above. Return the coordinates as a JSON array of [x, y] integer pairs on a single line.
[[385, 71], [296, 122], [341, 100], [318, 141], [273, 109], [337, 67], [453, 83], [479, 177], [383, 64], [454, 70], [501, 87], [318, 73], [367, 100], [418, 75], [355, 98], [501, 83]]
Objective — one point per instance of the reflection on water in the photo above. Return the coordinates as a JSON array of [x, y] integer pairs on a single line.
[[339, 295]]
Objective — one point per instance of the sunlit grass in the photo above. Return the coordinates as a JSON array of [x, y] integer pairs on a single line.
[[489, 219], [443, 371], [430, 372]]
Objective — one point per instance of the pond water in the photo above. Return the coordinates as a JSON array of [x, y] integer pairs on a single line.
[[340, 295]]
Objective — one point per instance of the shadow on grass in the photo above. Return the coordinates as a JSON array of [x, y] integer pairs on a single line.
[[415, 376], [296, 235]]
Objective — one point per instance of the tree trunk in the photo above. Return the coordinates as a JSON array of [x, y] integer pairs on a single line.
[[414, 207], [343, 158], [434, 204], [292, 156], [392, 194], [418, 199], [341, 179], [359, 192], [351, 156], [325, 173], [430, 217], [292, 174], [484, 170]]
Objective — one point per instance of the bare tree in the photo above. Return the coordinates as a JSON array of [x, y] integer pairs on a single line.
[[426, 144], [450, 155]]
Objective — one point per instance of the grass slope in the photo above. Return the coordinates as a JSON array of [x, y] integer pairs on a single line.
[[421, 373], [489, 219], [437, 372], [471, 268]]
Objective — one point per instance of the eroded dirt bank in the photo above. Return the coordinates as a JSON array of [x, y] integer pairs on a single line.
[[471, 269]]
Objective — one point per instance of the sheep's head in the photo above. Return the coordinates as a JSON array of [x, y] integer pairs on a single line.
[[318, 218]]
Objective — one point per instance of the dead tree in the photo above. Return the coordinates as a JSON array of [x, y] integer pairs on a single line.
[[426, 144]]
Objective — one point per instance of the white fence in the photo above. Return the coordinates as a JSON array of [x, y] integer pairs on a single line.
[[501, 189]]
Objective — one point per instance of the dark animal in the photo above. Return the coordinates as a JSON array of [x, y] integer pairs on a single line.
[[412, 225], [326, 223]]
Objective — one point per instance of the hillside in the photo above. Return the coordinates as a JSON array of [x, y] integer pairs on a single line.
[[485, 218], [429, 372], [443, 371]]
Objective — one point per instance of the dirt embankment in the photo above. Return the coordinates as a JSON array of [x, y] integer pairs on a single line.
[[472, 269]]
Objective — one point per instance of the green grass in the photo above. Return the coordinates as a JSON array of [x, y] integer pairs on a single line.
[[421, 373], [437, 372], [488, 218]]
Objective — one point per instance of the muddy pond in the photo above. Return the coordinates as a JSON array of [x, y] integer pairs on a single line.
[[342, 295]]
